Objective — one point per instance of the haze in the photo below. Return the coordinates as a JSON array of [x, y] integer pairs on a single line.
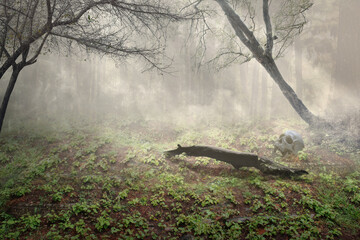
[[321, 66]]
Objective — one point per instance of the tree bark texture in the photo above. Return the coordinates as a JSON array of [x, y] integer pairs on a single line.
[[237, 159], [264, 57], [14, 76]]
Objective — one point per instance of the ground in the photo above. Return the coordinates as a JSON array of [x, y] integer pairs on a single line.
[[111, 181]]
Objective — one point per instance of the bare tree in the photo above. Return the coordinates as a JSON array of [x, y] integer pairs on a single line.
[[118, 28], [266, 40]]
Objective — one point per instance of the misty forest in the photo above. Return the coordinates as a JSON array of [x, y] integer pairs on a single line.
[[179, 119]]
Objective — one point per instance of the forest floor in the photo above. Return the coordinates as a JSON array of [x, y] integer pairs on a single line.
[[112, 181]]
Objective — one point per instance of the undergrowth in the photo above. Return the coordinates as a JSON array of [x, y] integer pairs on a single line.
[[111, 181]]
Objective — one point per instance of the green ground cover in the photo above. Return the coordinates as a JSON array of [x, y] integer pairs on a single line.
[[111, 181]]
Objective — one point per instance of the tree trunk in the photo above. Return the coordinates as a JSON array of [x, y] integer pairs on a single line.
[[14, 76], [270, 66], [237, 159], [264, 57]]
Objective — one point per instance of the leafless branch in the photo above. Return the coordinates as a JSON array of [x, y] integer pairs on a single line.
[[269, 34], [120, 20], [49, 11], [242, 31], [9, 7], [3, 38], [289, 22], [226, 58], [38, 51]]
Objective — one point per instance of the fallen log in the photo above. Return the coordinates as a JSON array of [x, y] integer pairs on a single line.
[[237, 159]]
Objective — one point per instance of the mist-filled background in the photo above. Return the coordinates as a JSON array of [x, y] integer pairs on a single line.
[[322, 66], [209, 143]]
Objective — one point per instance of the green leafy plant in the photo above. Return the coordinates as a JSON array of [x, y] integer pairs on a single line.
[[303, 156], [123, 194], [31, 222], [103, 222]]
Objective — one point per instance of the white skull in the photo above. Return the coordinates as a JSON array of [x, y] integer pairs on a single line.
[[289, 142]]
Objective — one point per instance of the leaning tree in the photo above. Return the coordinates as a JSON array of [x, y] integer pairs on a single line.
[[118, 28], [265, 29]]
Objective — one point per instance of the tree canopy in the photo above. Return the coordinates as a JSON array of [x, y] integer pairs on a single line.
[[117, 28]]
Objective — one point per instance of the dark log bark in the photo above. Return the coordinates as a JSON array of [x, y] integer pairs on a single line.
[[237, 159]]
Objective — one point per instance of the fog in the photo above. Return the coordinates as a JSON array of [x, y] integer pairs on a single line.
[[175, 132], [322, 66]]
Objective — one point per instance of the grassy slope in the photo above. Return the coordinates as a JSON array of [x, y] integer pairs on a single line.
[[110, 181]]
